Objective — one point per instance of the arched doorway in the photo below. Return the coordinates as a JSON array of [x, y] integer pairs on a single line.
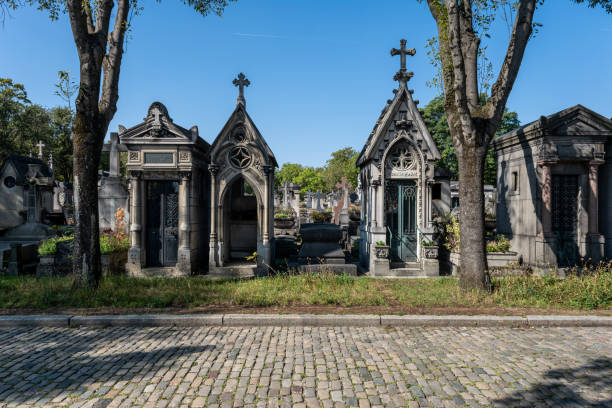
[[240, 227], [401, 202]]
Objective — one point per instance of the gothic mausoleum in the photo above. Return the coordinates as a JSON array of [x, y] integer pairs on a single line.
[[195, 207], [402, 188]]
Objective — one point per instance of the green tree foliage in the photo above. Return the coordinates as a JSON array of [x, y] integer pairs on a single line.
[[435, 119], [23, 125], [341, 164]]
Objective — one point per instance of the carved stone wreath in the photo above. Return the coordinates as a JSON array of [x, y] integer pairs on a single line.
[[240, 157]]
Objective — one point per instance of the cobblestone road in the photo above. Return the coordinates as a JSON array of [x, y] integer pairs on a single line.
[[305, 367]]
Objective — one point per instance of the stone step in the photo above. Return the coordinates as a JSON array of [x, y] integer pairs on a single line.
[[405, 272], [409, 265]]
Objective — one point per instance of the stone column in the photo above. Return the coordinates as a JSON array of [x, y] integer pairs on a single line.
[[267, 255], [213, 257], [595, 240], [593, 198], [546, 210], [135, 253], [375, 185], [184, 232]]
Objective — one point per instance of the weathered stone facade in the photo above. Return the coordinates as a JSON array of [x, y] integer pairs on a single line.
[[554, 189], [197, 208], [242, 202], [167, 170], [402, 190]]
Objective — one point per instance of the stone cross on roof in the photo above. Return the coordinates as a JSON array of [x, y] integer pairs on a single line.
[[402, 76], [241, 82], [40, 146]]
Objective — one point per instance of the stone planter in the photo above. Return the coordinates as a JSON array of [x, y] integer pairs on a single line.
[[382, 251], [284, 223], [430, 251], [490, 224], [46, 266], [494, 260]]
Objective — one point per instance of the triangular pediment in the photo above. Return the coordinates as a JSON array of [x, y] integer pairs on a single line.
[[241, 130], [400, 115], [158, 126], [577, 120]]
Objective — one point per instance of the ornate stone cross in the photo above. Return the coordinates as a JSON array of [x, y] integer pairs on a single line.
[[402, 52], [402, 76], [241, 82], [40, 146], [345, 186]]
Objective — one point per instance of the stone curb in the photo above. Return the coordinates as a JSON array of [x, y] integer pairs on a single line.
[[300, 320], [254, 320], [454, 321], [35, 321], [147, 320]]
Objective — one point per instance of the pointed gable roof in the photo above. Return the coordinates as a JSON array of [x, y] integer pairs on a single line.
[[238, 118], [379, 137]]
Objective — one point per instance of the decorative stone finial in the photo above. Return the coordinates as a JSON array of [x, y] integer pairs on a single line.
[[402, 75], [241, 82]]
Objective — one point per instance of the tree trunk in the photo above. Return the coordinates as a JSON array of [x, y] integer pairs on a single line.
[[474, 268], [89, 131]]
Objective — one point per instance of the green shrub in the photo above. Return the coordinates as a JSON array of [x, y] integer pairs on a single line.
[[284, 214], [453, 241], [321, 216], [49, 246], [501, 244], [381, 243], [110, 244]]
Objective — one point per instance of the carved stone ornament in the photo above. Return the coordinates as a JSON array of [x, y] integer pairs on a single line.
[[183, 156], [382, 252], [240, 157], [402, 162], [134, 156], [430, 252]]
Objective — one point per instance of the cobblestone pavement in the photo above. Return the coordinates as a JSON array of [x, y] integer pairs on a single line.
[[305, 367]]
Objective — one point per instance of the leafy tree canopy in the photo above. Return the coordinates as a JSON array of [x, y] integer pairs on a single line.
[[435, 119], [23, 125]]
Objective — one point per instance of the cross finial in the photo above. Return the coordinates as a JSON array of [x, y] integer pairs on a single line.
[[241, 82], [40, 146], [402, 76]]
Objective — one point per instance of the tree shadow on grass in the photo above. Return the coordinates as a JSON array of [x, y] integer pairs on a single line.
[[65, 361], [567, 387]]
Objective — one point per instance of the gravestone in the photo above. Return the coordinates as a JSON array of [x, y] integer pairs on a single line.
[[112, 193]]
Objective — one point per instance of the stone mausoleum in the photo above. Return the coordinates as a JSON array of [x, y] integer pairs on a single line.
[[402, 190], [196, 207], [554, 188]]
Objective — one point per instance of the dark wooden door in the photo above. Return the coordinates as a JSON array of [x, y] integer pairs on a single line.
[[565, 218], [162, 223], [400, 208]]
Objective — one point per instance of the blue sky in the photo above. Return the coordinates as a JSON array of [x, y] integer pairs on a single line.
[[320, 70]]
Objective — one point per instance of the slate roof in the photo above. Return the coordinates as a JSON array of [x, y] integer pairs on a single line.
[[20, 163]]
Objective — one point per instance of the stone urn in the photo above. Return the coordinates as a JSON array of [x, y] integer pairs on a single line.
[[355, 213], [284, 223], [430, 251], [382, 251]]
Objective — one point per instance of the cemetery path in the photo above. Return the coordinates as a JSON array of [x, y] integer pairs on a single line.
[[305, 367]]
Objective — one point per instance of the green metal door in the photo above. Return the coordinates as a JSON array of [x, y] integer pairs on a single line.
[[400, 211]]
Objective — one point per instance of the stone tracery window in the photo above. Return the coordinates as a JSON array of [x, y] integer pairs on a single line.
[[240, 157], [402, 161]]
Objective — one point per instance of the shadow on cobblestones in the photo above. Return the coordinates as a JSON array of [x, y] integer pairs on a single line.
[[69, 364], [568, 387]]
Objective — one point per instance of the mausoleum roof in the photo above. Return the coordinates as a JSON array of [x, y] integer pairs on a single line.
[[576, 121], [22, 166]]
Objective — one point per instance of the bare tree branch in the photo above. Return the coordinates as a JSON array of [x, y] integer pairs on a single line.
[[112, 61], [512, 62], [470, 44]]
